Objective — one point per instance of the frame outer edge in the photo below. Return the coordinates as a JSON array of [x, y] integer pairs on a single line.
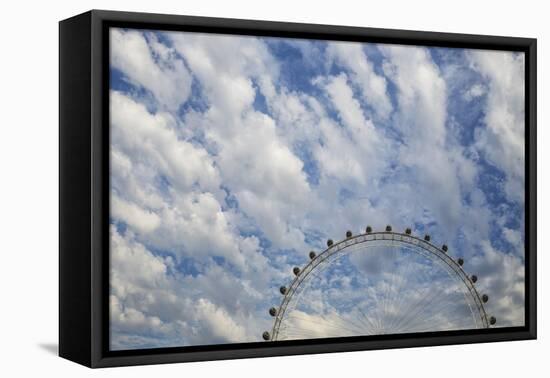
[[322, 31], [532, 170], [100, 169], [99, 201], [74, 191]]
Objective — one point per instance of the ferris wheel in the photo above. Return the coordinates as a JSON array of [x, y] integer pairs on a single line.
[[375, 283]]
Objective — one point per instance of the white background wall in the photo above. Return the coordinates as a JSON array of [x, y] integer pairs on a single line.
[[29, 189]]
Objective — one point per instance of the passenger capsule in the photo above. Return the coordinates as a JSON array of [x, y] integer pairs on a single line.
[[311, 255], [474, 278], [329, 243], [444, 248], [388, 228], [273, 311], [408, 231], [492, 320], [461, 261], [349, 234], [266, 336], [282, 289], [427, 237], [296, 270], [485, 298], [368, 229]]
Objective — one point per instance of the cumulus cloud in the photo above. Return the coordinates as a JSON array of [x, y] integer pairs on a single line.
[[473, 92], [504, 280], [151, 305], [132, 214], [373, 86], [151, 139], [274, 186], [422, 93], [430, 161], [149, 64], [502, 141]]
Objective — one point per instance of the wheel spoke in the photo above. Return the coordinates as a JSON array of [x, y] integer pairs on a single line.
[[378, 286]]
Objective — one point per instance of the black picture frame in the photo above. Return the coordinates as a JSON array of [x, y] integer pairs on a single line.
[[84, 188]]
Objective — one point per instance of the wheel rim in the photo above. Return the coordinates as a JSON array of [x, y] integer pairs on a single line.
[[335, 324]]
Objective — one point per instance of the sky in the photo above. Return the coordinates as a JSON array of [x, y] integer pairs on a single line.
[[234, 156], [384, 289]]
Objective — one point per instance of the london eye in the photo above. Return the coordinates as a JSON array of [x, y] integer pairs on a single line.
[[375, 283]]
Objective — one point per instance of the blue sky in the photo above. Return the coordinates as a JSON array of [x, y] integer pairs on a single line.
[[232, 157]]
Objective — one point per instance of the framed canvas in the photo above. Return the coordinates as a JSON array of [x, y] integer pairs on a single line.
[[234, 188]]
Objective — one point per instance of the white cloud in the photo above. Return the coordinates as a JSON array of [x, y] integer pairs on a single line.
[[227, 82], [421, 93], [515, 238], [502, 277], [503, 140], [364, 148], [219, 323], [183, 215], [139, 267], [434, 163], [151, 305], [475, 91], [142, 220], [373, 86], [152, 65], [259, 169], [151, 140], [194, 224], [139, 286]]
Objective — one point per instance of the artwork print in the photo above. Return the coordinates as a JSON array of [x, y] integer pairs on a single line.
[[266, 189]]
